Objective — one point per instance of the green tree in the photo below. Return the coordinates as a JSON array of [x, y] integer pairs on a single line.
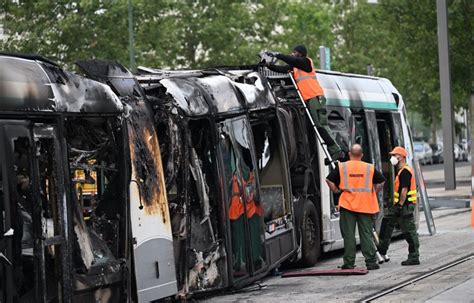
[[66, 31]]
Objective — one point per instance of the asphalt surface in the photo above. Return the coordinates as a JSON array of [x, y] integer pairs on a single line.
[[454, 240]]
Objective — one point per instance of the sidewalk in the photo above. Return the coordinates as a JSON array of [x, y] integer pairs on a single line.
[[435, 185]]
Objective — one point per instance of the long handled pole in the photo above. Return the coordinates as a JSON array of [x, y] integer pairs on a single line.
[[320, 139]]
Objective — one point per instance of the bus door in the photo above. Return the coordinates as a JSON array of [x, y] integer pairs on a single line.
[[389, 137], [243, 199], [33, 214], [377, 143], [273, 175]]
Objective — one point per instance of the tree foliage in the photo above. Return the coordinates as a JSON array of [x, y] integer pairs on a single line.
[[398, 37]]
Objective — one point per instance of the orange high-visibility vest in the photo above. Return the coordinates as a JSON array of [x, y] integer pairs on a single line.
[[411, 195], [237, 208], [307, 83], [357, 184]]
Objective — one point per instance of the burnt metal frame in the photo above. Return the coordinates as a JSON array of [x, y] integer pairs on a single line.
[[5, 221]]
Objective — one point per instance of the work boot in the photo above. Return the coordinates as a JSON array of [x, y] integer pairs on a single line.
[[372, 266], [347, 266], [411, 262]]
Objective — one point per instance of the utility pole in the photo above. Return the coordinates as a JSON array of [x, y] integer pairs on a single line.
[[130, 37], [369, 69], [446, 102]]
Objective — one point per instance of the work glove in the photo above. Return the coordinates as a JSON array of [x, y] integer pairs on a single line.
[[272, 53]]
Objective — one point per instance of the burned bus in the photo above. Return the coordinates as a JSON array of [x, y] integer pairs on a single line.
[[84, 215]]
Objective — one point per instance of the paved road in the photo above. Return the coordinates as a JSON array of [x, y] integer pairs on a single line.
[[455, 238], [435, 173]]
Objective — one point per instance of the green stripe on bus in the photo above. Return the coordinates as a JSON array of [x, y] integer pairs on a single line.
[[365, 104]]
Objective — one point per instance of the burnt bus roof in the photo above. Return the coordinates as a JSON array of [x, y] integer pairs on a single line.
[[211, 91], [33, 84]]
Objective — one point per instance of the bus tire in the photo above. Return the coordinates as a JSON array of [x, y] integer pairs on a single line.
[[311, 237]]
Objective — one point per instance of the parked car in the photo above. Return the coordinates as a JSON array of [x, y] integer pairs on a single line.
[[460, 154], [437, 152], [423, 152]]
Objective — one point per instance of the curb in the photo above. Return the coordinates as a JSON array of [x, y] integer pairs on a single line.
[[440, 183], [451, 202]]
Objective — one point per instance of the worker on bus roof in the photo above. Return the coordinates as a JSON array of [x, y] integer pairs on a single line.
[[359, 182], [402, 210], [305, 77]]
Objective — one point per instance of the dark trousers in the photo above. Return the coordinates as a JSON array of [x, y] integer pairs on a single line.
[[320, 118], [405, 216], [348, 221]]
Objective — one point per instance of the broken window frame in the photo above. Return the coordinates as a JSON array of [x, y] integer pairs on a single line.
[[226, 129], [111, 275], [60, 240]]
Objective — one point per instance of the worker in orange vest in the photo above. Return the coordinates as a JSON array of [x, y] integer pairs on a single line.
[[402, 210], [253, 211], [358, 181], [305, 77]]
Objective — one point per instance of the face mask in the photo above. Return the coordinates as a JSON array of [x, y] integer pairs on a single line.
[[394, 160]]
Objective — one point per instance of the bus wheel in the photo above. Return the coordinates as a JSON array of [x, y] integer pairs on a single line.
[[311, 239]]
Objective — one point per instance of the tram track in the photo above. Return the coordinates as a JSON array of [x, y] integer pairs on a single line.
[[410, 281]]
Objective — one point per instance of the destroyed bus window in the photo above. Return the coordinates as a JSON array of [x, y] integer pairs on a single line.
[[95, 156], [21, 210], [32, 208], [269, 149], [244, 200], [206, 252], [50, 195]]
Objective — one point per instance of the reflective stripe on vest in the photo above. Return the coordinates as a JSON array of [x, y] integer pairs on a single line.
[[356, 182], [411, 194], [307, 83]]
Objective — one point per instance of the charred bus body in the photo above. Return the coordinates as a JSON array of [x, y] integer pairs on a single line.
[[227, 175], [59, 132]]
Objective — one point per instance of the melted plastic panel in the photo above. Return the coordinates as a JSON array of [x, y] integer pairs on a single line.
[[112, 73], [221, 93], [78, 94], [24, 86], [95, 154], [187, 95], [255, 89], [27, 85]]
